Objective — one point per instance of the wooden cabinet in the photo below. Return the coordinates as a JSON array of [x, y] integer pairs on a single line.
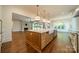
[[45, 39], [39, 40], [33, 39]]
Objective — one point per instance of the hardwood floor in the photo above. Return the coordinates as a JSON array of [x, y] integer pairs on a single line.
[[61, 44], [18, 44]]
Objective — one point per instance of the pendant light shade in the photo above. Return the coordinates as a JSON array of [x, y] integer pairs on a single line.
[[37, 18]]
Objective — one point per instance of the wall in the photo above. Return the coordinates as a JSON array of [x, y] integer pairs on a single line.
[[73, 25], [0, 12], [29, 26], [7, 19], [0, 24], [77, 19], [16, 26], [20, 25], [0, 16]]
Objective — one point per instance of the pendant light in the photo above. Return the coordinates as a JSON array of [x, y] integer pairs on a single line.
[[48, 18], [45, 20], [44, 16], [37, 17]]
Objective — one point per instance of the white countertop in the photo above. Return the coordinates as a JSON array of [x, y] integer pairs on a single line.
[[42, 30]]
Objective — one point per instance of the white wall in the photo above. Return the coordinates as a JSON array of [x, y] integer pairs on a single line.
[[0, 16], [73, 26], [0, 12], [7, 20], [16, 25], [0, 24]]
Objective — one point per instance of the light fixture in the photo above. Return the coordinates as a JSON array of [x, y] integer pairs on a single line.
[[45, 20], [48, 20], [37, 17], [44, 16]]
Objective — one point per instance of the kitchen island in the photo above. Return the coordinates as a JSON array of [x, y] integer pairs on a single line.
[[38, 40]]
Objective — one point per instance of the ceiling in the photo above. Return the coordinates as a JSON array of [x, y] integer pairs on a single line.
[[57, 10], [51, 11], [20, 17]]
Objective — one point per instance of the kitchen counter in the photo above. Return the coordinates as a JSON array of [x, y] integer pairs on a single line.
[[38, 40], [42, 31]]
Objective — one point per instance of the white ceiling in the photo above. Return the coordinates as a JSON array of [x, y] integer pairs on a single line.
[[51, 10], [56, 10], [20, 17]]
